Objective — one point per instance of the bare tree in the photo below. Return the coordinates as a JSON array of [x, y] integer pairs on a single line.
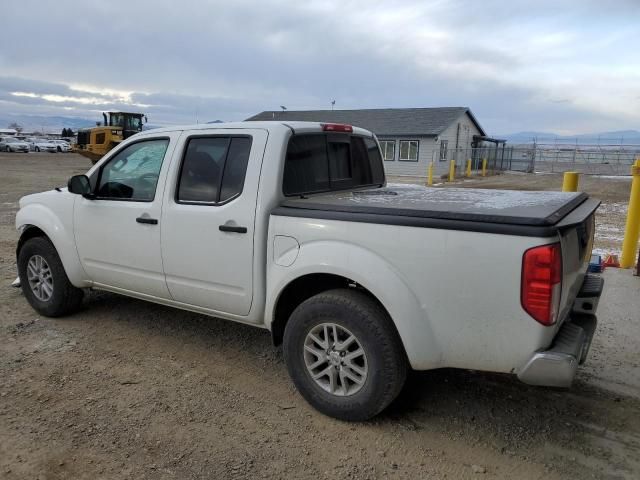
[[16, 126]]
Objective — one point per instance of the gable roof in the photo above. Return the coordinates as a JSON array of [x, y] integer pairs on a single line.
[[381, 121]]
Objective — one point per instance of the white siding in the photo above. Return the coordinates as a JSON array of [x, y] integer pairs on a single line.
[[425, 151], [429, 149]]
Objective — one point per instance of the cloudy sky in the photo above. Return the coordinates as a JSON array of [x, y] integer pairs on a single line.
[[569, 66]]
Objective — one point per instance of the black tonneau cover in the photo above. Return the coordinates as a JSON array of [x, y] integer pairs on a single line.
[[497, 211]]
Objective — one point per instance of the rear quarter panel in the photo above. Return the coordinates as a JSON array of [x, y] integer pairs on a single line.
[[453, 295]]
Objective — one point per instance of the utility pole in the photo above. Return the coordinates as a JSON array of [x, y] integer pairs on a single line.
[[333, 102]]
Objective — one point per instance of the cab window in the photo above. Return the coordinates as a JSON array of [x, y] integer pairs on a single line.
[[132, 174], [213, 169]]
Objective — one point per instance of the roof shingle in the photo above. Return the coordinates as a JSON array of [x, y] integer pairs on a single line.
[[381, 121]]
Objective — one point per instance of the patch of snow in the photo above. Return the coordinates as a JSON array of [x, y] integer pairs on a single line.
[[463, 197], [613, 177]]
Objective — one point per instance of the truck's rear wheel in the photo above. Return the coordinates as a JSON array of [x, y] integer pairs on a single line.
[[44, 282], [344, 354]]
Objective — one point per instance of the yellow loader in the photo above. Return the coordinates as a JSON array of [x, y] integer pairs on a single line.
[[94, 142]]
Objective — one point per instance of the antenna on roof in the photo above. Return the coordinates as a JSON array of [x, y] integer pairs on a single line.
[[283, 108], [333, 102]]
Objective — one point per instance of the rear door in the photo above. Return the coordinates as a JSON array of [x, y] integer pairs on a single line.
[[208, 219]]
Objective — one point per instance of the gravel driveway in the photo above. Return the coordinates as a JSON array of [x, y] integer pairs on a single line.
[[127, 389]]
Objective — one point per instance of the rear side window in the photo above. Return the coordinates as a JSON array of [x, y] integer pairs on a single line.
[[213, 169], [325, 162]]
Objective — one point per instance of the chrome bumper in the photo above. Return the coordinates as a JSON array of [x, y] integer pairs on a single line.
[[557, 366]]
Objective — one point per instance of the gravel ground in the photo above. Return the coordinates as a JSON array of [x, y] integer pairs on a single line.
[[127, 389]]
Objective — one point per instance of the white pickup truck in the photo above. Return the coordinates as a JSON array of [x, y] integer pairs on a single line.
[[291, 227]]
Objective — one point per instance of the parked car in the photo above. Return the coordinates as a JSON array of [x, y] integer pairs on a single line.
[[9, 144], [61, 145], [42, 145], [291, 227]]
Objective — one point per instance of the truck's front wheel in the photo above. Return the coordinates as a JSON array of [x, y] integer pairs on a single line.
[[344, 355], [44, 282]]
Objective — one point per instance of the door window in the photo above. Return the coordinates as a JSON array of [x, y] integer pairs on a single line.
[[213, 169], [132, 174]]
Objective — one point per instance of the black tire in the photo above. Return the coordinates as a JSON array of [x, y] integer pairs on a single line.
[[374, 330], [59, 149], [37, 149], [65, 298], [8, 149]]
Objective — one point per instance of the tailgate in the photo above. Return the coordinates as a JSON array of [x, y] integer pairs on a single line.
[[576, 240]]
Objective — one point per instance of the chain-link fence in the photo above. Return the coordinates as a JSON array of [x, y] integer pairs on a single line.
[[498, 158], [595, 161], [532, 158]]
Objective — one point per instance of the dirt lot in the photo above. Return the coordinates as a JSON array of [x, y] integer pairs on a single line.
[[126, 389]]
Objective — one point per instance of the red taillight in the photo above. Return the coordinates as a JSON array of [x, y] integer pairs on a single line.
[[337, 127], [542, 282]]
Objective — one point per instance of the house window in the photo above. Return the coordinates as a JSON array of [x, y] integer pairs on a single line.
[[443, 150], [388, 148], [409, 150]]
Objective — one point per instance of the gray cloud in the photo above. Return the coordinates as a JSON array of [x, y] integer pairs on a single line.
[[213, 60]]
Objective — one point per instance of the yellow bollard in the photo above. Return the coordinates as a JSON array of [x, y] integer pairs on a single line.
[[468, 167], [452, 171], [632, 229], [570, 182], [430, 174], [484, 167]]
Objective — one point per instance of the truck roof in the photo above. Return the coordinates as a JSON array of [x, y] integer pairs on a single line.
[[298, 127]]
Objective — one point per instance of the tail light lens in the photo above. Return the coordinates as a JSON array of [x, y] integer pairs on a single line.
[[337, 127], [542, 282]]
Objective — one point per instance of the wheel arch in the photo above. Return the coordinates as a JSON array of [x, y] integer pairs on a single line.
[[325, 265], [305, 287], [29, 232], [36, 219]]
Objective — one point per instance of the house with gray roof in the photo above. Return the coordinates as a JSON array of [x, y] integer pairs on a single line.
[[410, 138]]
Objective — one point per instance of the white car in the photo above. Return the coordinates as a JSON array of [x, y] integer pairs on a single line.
[[9, 144], [61, 145], [291, 227], [42, 145]]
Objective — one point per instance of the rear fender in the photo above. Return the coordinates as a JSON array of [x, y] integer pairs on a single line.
[[373, 273]]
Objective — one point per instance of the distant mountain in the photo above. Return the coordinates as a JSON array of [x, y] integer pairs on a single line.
[[618, 137], [52, 124]]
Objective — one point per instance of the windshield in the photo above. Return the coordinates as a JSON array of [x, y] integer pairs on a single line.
[[134, 123]]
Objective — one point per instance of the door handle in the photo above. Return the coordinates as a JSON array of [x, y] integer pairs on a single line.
[[147, 220], [232, 228]]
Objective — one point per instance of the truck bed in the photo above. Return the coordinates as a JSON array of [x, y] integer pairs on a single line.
[[532, 213]]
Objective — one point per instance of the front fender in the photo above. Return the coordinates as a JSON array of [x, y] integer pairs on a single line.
[[372, 272], [58, 227]]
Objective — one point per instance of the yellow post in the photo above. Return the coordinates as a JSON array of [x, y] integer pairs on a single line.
[[430, 174], [468, 167], [570, 182], [484, 167], [632, 229], [452, 171]]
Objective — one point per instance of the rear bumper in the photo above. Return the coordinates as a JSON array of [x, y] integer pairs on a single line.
[[556, 367]]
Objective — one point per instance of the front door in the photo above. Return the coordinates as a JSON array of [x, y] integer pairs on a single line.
[[208, 219], [118, 233]]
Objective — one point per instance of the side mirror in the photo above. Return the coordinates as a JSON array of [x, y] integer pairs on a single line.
[[80, 185]]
